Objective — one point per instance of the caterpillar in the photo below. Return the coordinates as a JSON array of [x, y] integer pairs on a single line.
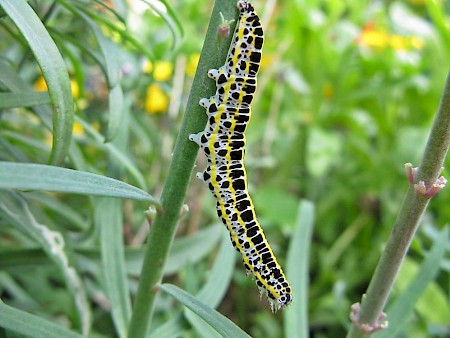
[[223, 142]]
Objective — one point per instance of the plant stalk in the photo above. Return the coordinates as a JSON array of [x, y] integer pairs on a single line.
[[413, 207], [163, 228]]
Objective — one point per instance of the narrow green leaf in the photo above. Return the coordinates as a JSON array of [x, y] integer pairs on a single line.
[[116, 109], [28, 176], [171, 19], [297, 267], [109, 216], [69, 212], [404, 305], [215, 288], [16, 210], [118, 155], [175, 327], [53, 69], [191, 248], [30, 325], [10, 79], [220, 323], [17, 258], [24, 99], [220, 276]]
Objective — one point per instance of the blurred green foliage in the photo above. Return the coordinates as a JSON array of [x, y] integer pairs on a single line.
[[347, 94]]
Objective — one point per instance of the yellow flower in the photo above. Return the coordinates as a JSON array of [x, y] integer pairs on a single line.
[[163, 71], [40, 85], [156, 100], [192, 63]]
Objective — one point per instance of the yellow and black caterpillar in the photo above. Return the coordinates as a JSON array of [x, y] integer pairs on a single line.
[[223, 142]]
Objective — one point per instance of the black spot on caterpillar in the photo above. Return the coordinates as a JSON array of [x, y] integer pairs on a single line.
[[223, 142]]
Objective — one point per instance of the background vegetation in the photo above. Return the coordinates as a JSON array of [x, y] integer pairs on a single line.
[[347, 94]]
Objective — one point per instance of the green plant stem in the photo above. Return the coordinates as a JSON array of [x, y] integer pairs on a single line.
[[163, 229], [408, 219]]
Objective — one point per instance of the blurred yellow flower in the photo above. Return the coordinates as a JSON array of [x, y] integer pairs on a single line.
[[372, 37], [156, 100], [75, 88], [78, 129], [192, 63], [163, 71], [377, 38]]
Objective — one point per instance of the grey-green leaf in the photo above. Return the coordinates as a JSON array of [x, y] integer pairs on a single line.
[[29, 176], [31, 325], [23, 99], [220, 323], [296, 315], [53, 69]]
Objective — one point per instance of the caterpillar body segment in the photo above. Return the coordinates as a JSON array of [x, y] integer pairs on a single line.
[[223, 142]]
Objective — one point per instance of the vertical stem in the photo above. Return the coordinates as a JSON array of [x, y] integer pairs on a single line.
[[163, 229], [408, 219]]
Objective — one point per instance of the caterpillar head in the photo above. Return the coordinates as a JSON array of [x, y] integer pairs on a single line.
[[244, 6]]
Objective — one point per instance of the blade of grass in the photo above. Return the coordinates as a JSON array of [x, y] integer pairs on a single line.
[[297, 268], [29, 176], [30, 325], [54, 71], [220, 323]]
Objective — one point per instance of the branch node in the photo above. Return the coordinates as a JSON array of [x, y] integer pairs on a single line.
[[365, 328], [410, 172], [429, 192], [224, 29]]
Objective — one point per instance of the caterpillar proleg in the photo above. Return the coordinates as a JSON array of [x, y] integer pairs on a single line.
[[223, 142]]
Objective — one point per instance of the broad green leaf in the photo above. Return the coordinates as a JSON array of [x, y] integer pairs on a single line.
[[44, 177], [30, 325], [220, 323], [53, 69], [297, 271]]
